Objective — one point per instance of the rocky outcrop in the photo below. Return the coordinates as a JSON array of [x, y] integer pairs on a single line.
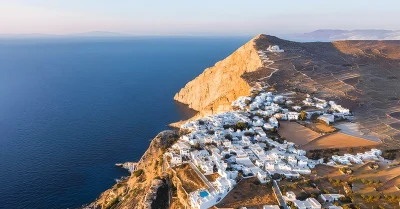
[[214, 90]]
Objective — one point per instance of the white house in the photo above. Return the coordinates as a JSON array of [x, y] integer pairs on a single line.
[[341, 159], [303, 161], [327, 118], [259, 122], [296, 108], [290, 196], [182, 147], [274, 48], [199, 153], [377, 152], [321, 105], [176, 159], [339, 108], [281, 116], [268, 126], [330, 197], [274, 122], [262, 176], [292, 160], [271, 207], [309, 203], [293, 115], [260, 132]]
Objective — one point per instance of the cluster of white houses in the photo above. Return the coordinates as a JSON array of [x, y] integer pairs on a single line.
[[218, 144], [312, 203], [213, 146], [347, 159]]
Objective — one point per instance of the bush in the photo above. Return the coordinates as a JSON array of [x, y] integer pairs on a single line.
[[350, 150], [242, 126], [371, 198], [303, 115], [345, 199], [314, 116], [226, 126], [196, 146], [276, 176], [389, 154], [248, 134], [138, 173], [229, 137]]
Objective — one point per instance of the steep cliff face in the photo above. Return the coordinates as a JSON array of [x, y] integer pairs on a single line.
[[214, 90]]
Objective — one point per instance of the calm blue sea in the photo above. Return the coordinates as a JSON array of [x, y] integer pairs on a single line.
[[72, 108]]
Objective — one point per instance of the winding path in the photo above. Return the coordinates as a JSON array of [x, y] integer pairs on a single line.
[[264, 59]]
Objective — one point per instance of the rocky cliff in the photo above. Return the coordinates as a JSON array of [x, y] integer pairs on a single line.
[[134, 192], [214, 90]]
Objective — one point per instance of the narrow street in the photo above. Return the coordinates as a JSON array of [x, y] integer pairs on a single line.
[[279, 195]]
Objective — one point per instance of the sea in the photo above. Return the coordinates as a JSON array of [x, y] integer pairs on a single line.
[[70, 108]]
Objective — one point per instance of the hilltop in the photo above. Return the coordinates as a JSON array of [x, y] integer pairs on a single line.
[[363, 75]]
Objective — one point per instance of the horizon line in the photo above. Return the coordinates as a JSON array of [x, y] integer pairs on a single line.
[[205, 34]]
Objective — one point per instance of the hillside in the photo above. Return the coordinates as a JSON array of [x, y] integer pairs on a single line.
[[215, 89], [363, 75]]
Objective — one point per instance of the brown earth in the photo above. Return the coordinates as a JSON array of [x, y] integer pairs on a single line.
[[321, 127], [294, 132], [212, 177], [249, 193], [338, 140], [189, 178], [384, 181]]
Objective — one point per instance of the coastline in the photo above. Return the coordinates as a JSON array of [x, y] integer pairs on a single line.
[[220, 103]]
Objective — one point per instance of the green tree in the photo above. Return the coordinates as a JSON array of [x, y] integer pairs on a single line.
[[138, 173], [229, 137], [303, 115], [242, 126]]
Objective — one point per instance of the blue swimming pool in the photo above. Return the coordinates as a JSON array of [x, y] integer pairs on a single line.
[[203, 194]]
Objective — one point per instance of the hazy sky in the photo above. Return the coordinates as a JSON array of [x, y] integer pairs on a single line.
[[191, 17]]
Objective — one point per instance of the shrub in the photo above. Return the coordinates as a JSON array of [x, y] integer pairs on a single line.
[[248, 134], [350, 150], [303, 115], [138, 173], [229, 137], [242, 126], [314, 116], [211, 132]]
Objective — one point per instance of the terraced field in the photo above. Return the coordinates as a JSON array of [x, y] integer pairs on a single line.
[[361, 75]]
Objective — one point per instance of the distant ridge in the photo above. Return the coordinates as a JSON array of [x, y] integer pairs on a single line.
[[333, 35], [77, 35], [99, 34]]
